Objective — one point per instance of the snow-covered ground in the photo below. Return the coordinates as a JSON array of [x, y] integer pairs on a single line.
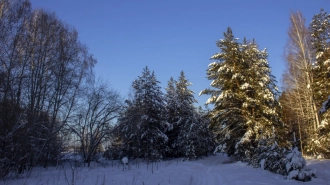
[[210, 170]]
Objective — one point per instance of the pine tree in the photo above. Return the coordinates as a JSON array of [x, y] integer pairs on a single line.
[[244, 96]]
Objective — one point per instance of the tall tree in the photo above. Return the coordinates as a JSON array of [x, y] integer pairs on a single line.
[[260, 106], [189, 135], [145, 133], [306, 79], [244, 96], [227, 120], [320, 41], [43, 65], [56, 64], [13, 15], [172, 117], [320, 33]]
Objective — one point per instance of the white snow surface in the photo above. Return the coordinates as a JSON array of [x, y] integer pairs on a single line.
[[212, 170]]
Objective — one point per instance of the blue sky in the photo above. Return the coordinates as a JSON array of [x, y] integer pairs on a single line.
[[173, 35]]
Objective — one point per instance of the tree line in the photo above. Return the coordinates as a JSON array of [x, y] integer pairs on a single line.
[[155, 126], [50, 99]]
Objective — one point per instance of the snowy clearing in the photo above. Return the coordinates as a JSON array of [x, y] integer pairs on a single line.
[[211, 170]]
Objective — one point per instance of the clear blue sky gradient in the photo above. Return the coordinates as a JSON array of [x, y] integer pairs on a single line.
[[173, 35]]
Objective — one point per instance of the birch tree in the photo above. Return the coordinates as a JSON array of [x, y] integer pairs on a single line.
[[299, 83], [43, 65]]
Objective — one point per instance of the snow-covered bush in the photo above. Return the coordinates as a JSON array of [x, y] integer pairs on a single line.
[[295, 160], [302, 175], [295, 166], [270, 156]]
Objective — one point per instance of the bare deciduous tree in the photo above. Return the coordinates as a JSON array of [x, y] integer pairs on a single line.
[[43, 65], [93, 120]]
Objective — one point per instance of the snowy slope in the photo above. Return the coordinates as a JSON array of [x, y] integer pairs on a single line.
[[213, 170]]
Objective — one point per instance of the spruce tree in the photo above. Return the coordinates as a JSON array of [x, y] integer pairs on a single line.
[[320, 33], [143, 122], [190, 127], [227, 121], [244, 96], [172, 118], [260, 105], [189, 136]]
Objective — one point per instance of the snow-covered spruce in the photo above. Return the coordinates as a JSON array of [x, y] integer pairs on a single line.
[[140, 132], [188, 133], [243, 92], [319, 142]]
